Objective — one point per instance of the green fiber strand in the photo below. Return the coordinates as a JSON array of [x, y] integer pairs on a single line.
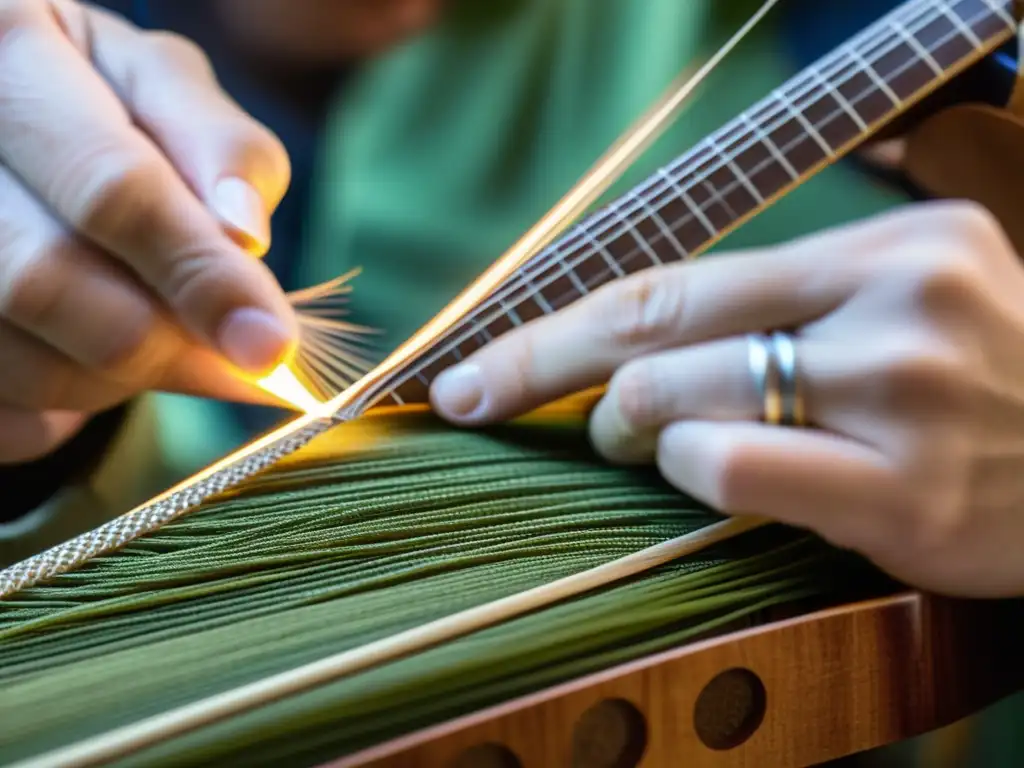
[[400, 521]]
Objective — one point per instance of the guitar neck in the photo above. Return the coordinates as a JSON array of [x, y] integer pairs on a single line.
[[684, 208]]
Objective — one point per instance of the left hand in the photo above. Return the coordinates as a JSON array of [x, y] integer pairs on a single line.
[[909, 332]]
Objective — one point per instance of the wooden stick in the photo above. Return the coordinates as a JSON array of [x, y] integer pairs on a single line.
[[132, 738]]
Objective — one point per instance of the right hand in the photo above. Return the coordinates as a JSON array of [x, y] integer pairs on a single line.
[[134, 203]]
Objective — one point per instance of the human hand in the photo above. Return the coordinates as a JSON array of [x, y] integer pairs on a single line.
[[131, 188], [908, 331]]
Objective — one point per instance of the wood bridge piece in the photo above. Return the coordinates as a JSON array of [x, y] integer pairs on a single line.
[[791, 693]]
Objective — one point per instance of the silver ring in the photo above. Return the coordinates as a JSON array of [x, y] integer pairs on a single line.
[[774, 367], [792, 406], [764, 370]]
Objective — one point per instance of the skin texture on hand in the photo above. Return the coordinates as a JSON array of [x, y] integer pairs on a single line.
[[908, 331], [134, 205]]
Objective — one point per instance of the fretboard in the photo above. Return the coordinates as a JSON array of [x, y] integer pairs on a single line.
[[687, 206]]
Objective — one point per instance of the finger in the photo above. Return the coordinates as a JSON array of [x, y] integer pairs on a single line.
[[842, 490], [709, 382], [62, 291], [237, 166], [582, 345], [66, 134], [37, 377], [30, 435]]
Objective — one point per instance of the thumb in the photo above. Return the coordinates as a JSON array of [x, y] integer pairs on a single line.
[[233, 163]]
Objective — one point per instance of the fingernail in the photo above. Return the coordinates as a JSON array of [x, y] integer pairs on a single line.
[[254, 340], [459, 391], [241, 208]]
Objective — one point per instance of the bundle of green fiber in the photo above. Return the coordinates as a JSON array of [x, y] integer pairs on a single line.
[[381, 525]]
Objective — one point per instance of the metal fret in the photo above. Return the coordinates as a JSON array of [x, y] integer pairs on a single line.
[[956, 21], [919, 49], [538, 296], [999, 9], [644, 245], [717, 197], [600, 248], [847, 107], [770, 145], [510, 312], [736, 171], [569, 272], [877, 79], [665, 229], [781, 96], [690, 204]]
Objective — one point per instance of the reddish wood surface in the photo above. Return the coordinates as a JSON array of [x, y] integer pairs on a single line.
[[836, 682]]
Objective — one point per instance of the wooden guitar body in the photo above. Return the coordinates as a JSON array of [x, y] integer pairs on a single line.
[[794, 692]]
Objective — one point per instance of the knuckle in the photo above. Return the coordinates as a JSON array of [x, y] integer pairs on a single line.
[[940, 281], [177, 51], [935, 383], [948, 284], [734, 470], [644, 309], [971, 220], [636, 393], [193, 276], [115, 192], [30, 291], [928, 517]]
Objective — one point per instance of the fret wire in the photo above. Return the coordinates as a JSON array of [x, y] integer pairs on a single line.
[[770, 145], [805, 123], [602, 249], [999, 9], [718, 197], [697, 209], [780, 94], [666, 231], [930, 16], [674, 183], [799, 139], [690, 203], [510, 312], [965, 30], [644, 245], [877, 79], [542, 302], [570, 273], [919, 49], [736, 171], [833, 91]]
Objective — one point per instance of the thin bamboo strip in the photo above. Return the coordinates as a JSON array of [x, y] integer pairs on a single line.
[[129, 739]]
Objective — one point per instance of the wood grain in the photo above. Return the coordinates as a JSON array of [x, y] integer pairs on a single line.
[[837, 682]]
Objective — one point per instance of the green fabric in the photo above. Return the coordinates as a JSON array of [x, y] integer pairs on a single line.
[[444, 152], [415, 522]]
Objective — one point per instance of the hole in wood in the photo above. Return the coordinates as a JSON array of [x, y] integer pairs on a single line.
[[487, 756], [611, 734], [730, 709]]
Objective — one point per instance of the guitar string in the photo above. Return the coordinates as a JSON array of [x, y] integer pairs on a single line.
[[552, 257], [531, 287], [714, 142], [170, 505]]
